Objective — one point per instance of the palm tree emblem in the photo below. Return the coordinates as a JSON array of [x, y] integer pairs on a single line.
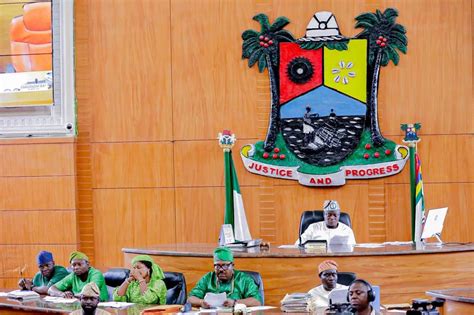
[[262, 48], [385, 38], [323, 126]]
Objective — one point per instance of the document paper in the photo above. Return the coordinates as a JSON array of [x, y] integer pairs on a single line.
[[215, 300]]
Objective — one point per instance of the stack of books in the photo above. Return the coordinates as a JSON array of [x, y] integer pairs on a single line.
[[296, 303], [23, 295]]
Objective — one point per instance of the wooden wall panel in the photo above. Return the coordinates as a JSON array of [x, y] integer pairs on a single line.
[[434, 84], [27, 257], [130, 59], [32, 193], [397, 212], [16, 257], [84, 85], [2, 263], [292, 201], [212, 87], [200, 213], [138, 164], [376, 228], [37, 192], [131, 218], [37, 159], [457, 197], [444, 159], [29, 227], [201, 163]]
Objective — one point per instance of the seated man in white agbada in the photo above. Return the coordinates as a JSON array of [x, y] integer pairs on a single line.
[[327, 272], [330, 230]]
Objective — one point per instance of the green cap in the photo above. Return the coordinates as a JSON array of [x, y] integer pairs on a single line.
[[223, 254], [78, 255]]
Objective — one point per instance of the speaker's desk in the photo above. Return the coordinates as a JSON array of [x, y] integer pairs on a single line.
[[403, 272]]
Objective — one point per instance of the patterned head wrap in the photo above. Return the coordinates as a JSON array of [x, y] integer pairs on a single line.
[[157, 272], [78, 255], [44, 257], [327, 265], [91, 289], [223, 254]]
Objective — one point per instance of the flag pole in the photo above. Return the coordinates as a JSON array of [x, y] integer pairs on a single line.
[[234, 206], [412, 148], [229, 213], [411, 139], [226, 142]]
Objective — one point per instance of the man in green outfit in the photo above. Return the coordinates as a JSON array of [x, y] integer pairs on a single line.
[[83, 274], [47, 275], [239, 286]]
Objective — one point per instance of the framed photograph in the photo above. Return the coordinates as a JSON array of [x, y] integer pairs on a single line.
[[37, 95]]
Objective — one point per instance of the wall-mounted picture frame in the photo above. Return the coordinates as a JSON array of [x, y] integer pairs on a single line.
[[37, 96]]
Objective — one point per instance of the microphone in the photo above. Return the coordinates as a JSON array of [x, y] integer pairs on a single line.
[[186, 308]]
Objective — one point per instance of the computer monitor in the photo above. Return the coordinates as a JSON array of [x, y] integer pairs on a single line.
[[434, 223], [338, 296], [376, 303]]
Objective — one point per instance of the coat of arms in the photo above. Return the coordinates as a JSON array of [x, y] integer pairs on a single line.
[[323, 126]]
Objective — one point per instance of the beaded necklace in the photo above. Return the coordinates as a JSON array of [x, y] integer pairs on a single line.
[[231, 284]]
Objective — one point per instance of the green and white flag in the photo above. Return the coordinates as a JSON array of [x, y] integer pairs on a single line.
[[234, 206]]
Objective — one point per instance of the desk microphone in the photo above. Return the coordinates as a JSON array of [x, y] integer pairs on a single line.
[[186, 308]]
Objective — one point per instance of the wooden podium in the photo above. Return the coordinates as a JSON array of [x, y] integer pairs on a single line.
[[402, 272]]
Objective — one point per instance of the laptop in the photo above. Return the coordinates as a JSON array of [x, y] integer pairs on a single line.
[[434, 223], [376, 303]]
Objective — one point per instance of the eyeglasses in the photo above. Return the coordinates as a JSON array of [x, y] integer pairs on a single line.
[[223, 266]]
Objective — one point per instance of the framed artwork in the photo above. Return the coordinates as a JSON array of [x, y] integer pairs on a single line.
[[37, 95]]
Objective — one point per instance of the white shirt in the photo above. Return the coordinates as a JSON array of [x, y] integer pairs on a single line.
[[320, 297], [342, 234]]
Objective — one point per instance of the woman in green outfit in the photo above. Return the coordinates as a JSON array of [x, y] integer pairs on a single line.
[[145, 284]]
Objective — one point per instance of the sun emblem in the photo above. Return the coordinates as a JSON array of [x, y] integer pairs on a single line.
[[343, 72]]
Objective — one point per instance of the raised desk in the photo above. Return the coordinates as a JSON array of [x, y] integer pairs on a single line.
[[457, 301], [403, 272]]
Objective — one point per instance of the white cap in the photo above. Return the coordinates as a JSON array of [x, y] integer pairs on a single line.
[[331, 205]]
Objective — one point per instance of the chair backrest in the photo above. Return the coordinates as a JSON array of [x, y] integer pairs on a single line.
[[176, 288], [257, 278], [115, 277], [312, 216], [174, 281], [346, 278]]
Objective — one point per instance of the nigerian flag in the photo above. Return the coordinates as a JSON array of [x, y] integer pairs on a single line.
[[234, 207]]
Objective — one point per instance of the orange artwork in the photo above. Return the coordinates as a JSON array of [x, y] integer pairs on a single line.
[[26, 66]]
